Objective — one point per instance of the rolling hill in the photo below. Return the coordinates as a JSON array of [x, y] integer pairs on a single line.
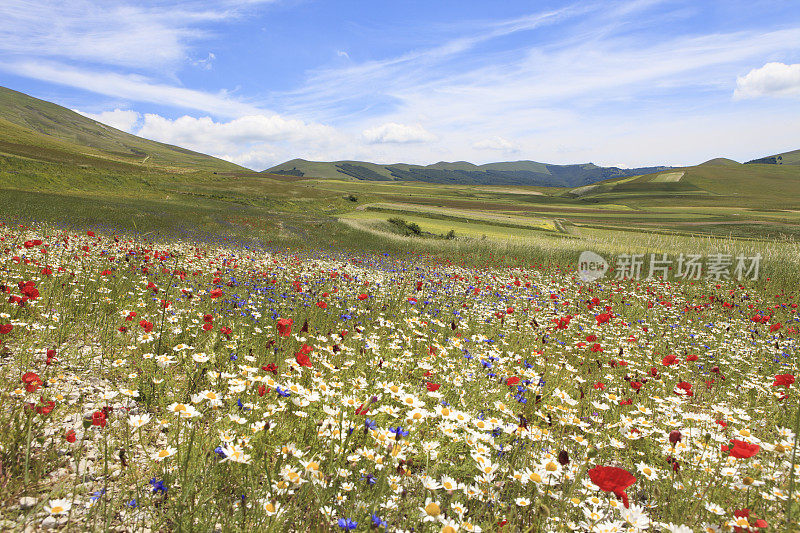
[[41, 130], [785, 158], [462, 172]]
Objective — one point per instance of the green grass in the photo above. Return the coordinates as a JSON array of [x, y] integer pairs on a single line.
[[59, 133]]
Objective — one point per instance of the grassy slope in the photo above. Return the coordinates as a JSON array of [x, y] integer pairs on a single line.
[[30, 122]]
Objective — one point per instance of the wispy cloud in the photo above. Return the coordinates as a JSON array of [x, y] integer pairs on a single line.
[[392, 132], [133, 87]]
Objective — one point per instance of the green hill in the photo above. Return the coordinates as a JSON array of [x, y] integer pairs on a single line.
[[461, 172], [723, 161], [37, 129], [785, 158]]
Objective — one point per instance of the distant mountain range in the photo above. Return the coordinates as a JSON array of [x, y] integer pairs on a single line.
[[462, 172]]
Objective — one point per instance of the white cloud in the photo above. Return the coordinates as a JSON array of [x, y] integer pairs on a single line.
[[203, 131], [254, 141], [131, 87], [122, 119], [499, 144], [773, 79], [392, 132], [206, 63], [149, 35]]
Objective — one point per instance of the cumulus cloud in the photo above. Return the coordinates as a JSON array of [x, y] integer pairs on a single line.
[[392, 132], [498, 144], [254, 141], [773, 79], [122, 119]]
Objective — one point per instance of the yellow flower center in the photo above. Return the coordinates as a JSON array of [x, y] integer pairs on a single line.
[[536, 478], [433, 509], [551, 467], [268, 507], [56, 509]]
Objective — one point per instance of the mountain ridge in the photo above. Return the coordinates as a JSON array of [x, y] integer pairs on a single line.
[[522, 172]]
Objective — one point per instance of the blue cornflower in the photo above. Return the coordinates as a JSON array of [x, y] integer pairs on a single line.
[[283, 392], [158, 486], [132, 504], [96, 495], [347, 524], [377, 522], [370, 424], [486, 364], [398, 431], [219, 451]]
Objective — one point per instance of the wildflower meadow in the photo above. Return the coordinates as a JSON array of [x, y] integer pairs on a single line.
[[167, 385]]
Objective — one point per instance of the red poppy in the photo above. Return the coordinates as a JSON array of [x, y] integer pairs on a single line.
[[691, 357], [513, 380], [602, 318], [432, 387], [322, 305], [5, 329], [362, 296], [668, 360], [303, 359], [46, 408], [99, 419], [742, 449], [285, 326], [208, 326], [146, 326], [783, 380], [70, 436], [31, 381], [613, 479]]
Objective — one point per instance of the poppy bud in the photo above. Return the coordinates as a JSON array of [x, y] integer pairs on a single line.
[[675, 437]]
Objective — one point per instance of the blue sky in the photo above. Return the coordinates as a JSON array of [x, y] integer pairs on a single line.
[[628, 82]]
